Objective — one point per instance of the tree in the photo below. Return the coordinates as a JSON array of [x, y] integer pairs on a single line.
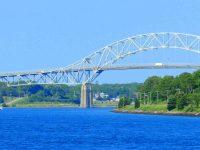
[[194, 99], [171, 103], [1, 100], [166, 86], [196, 76], [123, 102], [137, 103], [181, 100], [4, 105], [151, 83], [186, 82]]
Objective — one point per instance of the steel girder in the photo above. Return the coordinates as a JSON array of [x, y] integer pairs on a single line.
[[87, 69]]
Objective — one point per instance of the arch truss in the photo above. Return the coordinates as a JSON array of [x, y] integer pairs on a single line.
[[86, 70]]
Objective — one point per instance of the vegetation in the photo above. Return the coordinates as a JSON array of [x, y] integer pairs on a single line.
[[146, 108], [178, 94], [1, 100], [114, 90], [137, 104], [124, 102], [57, 94], [171, 103], [105, 103]]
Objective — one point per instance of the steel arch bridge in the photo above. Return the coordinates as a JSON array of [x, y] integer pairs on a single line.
[[86, 70]]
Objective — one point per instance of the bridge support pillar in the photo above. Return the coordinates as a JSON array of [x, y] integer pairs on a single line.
[[86, 95]]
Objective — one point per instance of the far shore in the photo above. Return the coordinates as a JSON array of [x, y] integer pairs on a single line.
[[58, 106], [158, 113], [43, 106]]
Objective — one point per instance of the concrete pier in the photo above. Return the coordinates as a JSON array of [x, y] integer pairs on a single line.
[[86, 95]]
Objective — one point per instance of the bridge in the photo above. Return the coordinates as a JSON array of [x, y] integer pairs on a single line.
[[87, 69]]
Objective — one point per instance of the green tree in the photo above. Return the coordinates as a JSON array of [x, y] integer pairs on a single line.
[[194, 99], [137, 103], [151, 83], [196, 76], [181, 100], [1, 99], [4, 105], [171, 103], [123, 102], [186, 82], [166, 87]]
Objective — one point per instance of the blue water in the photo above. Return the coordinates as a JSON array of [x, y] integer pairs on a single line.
[[67, 128]]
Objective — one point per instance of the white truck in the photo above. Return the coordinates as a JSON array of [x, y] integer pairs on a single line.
[[158, 64]]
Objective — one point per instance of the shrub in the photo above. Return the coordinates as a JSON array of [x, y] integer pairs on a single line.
[[182, 101], [4, 105], [194, 99], [171, 103], [137, 103], [123, 102], [1, 99]]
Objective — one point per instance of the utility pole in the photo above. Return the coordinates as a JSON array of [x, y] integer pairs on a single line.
[[150, 100], [157, 96], [167, 95], [140, 96], [143, 98], [137, 95], [18, 92]]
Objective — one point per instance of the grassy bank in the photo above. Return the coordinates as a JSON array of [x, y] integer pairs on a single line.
[[45, 104], [105, 104], [24, 102], [147, 108], [159, 109]]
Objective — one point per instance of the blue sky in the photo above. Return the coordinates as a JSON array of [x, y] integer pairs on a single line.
[[39, 34]]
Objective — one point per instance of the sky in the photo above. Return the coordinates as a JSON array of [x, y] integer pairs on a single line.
[[39, 34]]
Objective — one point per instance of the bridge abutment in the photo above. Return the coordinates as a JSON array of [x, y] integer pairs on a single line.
[[86, 95]]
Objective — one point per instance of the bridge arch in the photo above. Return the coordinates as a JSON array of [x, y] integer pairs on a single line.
[[87, 69], [118, 50]]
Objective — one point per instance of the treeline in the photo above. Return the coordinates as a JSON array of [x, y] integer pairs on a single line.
[[41, 93], [114, 90], [179, 91], [63, 93]]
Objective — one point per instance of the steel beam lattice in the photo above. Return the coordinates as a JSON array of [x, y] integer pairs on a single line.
[[86, 70]]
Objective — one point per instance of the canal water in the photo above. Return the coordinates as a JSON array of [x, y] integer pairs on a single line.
[[97, 128]]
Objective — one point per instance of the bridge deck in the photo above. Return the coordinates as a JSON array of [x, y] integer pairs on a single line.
[[128, 67]]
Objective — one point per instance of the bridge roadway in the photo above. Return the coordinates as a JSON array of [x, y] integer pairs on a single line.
[[153, 66], [120, 67], [87, 69], [52, 76]]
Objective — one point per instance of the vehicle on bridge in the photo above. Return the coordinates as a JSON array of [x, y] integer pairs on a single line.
[[158, 64]]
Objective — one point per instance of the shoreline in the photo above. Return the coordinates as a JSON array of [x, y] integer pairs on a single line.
[[42, 107], [158, 113], [76, 106]]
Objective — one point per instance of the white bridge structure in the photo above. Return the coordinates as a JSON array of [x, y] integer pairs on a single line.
[[87, 69]]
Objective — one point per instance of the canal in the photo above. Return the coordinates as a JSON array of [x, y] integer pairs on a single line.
[[96, 128]]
